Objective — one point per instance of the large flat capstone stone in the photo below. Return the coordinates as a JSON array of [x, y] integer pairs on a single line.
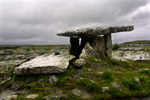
[[45, 64], [87, 32]]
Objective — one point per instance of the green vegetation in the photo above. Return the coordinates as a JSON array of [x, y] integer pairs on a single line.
[[90, 86], [107, 75], [138, 42], [133, 78], [115, 47]]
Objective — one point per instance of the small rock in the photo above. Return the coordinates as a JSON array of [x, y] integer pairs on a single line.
[[53, 79], [76, 92], [32, 96], [89, 70], [116, 85], [59, 95], [137, 80], [79, 62], [10, 97], [105, 88], [100, 73]]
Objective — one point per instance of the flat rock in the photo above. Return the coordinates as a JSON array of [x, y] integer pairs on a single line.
[[32, 96], [96, 31], [45, 64]]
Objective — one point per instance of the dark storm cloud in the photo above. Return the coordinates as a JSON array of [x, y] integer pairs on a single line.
[[38, 21]]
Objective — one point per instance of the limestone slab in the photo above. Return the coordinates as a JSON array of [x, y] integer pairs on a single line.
[[80, 33], [45, 64]]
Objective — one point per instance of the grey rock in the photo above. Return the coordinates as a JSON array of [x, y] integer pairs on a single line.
[[59, 95], [45, 64], [76, 92], [79, 62], [96, 47], [32, 96], [99, 73], [53, 80], [20, 56], [116, 85], [137, 80], [105, 88], [10, 97], [108, 45], [96, 31], [99, 43]]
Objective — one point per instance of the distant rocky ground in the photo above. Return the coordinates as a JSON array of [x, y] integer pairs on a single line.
[[124, 76]]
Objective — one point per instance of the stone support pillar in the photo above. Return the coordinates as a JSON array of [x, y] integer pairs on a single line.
[[108, 45]]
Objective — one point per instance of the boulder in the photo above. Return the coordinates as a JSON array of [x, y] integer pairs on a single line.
[[87, 51], [45, 64]]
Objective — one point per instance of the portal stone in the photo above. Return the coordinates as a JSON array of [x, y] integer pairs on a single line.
[[98, 45]]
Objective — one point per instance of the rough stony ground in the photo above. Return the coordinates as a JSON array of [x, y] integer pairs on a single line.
[[132, 54], [99, 79]]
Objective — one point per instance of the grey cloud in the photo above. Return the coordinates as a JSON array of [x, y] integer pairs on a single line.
[[38, 21]]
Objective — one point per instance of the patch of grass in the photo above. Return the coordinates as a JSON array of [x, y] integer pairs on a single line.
[[115, 93], [90, 86], [115, 47], [107, 75], [145, 71], [69, 72], [29, 78], [131, 84]]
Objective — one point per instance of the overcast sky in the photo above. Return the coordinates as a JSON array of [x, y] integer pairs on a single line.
[[38, 21]]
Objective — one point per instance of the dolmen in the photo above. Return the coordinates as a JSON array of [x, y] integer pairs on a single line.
[[95, 42]]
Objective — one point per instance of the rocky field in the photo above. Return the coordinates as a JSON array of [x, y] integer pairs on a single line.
[[124, 76]]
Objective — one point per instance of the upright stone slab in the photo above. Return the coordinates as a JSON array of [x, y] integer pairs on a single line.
[[98, 44], [108, 45]]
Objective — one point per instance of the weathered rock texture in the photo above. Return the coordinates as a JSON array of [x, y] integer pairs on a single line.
[[96, 31], [45, 64], [99, 39]]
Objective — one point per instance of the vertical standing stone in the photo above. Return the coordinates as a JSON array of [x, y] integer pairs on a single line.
[[74, 46], [82, 45], [108, 45], [98, 44]]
